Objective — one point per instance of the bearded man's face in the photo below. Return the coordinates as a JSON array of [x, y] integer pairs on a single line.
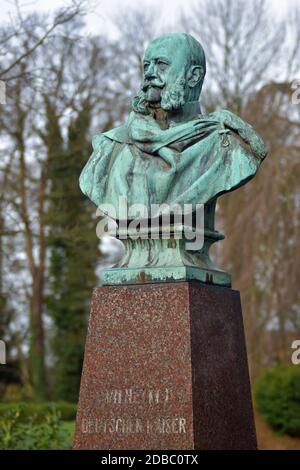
[[164, 81]]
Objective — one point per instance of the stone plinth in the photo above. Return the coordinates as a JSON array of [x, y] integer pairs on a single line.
[[165, 367]]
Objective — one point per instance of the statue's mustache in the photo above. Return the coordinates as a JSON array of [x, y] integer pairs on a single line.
[[152, 83]]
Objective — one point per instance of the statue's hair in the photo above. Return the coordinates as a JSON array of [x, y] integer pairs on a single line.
[[195, 55]]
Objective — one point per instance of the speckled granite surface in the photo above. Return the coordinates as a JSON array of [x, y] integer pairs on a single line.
[[165, 368]]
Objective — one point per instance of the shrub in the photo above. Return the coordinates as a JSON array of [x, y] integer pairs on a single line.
[[67, 411], [16, 393], [277, 395], [16, 432]]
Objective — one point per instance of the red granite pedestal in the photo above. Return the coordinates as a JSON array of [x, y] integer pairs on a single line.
[[165, 367]]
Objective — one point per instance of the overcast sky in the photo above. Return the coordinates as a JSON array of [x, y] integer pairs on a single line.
[[98, 20]]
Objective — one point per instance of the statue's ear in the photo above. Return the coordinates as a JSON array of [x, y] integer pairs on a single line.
[[194, 75]]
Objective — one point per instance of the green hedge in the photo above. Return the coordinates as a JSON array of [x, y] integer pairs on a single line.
[[35, 432], [277, 396], [66, 411]]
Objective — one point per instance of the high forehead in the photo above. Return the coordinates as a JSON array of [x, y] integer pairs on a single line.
[[173, 46]]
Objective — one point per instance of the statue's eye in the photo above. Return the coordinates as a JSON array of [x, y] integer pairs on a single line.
[[146, 66], [162, 65]]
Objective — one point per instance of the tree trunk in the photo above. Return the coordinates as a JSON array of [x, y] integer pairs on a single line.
[[37, 348]]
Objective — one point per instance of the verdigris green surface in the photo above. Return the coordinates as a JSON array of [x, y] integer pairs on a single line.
[[169, 152]]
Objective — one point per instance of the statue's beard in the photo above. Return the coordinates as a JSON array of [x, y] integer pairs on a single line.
[[169, 97]]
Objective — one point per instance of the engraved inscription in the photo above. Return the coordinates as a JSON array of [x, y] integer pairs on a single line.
[[135, 396], [162, 425]]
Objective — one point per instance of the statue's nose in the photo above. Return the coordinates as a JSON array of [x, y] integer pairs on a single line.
[[150, 72]]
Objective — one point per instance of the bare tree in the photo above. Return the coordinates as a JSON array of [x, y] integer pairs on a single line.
[[24, 171], [21, 38], [243, 44]]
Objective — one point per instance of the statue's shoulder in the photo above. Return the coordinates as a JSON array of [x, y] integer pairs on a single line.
[[224, 116], [109, 138], [243, 129], [226, 119], [119, 134], [97, 141]]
